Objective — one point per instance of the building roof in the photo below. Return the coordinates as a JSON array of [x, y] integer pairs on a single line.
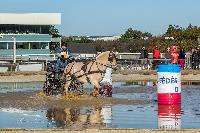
[[86, 48], [30, 18]]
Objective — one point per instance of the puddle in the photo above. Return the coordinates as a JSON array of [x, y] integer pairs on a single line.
[[20, 87], [186, 115], [16, 118]]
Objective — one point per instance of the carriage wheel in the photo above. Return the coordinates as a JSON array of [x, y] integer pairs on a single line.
[[75, 86], [47, 88]]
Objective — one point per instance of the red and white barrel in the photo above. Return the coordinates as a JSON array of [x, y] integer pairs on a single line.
[[169, 116], [169, 84]]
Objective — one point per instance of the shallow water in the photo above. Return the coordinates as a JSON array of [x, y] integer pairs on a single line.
[[187, 115], [20, 87]]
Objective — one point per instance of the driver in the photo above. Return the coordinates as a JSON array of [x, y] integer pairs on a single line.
[[61, 63], [64, 52]]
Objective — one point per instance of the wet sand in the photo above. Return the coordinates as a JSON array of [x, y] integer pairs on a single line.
[[37, 100]]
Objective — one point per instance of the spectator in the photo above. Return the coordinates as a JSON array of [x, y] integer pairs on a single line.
[[143, 53], [195, 59], [174, 54], [198, 52], [167, 56], [182, 58], [144, 57], [156, 56]]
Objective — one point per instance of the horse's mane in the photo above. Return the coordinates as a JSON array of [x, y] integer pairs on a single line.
[[100, 55]]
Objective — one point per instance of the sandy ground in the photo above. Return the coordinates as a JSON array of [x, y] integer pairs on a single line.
[[130, 130], [116, 77], [125, 76]]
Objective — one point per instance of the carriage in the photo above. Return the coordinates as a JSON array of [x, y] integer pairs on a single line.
[[72, 77], [53, 84]]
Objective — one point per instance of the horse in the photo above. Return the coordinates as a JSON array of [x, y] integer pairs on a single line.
[[89, 72]]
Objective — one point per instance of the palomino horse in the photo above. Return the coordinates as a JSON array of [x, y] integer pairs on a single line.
[[91, 71]]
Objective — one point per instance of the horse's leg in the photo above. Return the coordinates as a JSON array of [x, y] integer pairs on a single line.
[[67, 81], [66, 86], [97, 86]]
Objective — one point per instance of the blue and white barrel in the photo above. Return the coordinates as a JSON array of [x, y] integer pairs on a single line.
[[169, 84]]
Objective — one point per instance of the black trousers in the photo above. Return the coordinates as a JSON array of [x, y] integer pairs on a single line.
[[155, 63], [195, 65]]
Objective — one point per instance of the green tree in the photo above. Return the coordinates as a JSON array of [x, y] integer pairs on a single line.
[[53, 31], [131, 34], [147, 34], [186, 38], [175, 31], [66, 40]]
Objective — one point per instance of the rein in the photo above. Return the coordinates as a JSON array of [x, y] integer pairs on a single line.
[[109, 66]]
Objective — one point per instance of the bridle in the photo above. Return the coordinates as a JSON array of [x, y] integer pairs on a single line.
[[110, 59]]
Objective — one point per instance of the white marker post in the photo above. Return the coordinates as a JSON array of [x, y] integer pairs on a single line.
[[107, 83]]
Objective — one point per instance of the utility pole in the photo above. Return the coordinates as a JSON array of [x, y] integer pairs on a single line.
[[14, 49], [60, 41]]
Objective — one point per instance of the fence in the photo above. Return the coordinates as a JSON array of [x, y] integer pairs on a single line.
[[125, 60], [144, 64], [132, 61], [42, 57]]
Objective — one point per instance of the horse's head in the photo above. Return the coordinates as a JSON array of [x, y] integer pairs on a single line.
[[112, 59], [107, 58]]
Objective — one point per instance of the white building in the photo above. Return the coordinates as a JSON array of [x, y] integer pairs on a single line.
[[104, 38], [30, 29]]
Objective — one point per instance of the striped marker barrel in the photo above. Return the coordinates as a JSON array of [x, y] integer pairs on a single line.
[[169, 84]]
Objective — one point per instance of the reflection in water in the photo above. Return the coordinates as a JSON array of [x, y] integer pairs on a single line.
[[74, 118], [139, 83], [106, 114], [169, 116]]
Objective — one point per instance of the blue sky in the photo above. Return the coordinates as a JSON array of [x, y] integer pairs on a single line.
[[112, 17]]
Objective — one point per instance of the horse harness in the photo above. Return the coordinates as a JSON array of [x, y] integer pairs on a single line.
[[88, 72]]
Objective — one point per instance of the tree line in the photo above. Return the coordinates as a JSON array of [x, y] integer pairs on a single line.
[[133, 40]]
